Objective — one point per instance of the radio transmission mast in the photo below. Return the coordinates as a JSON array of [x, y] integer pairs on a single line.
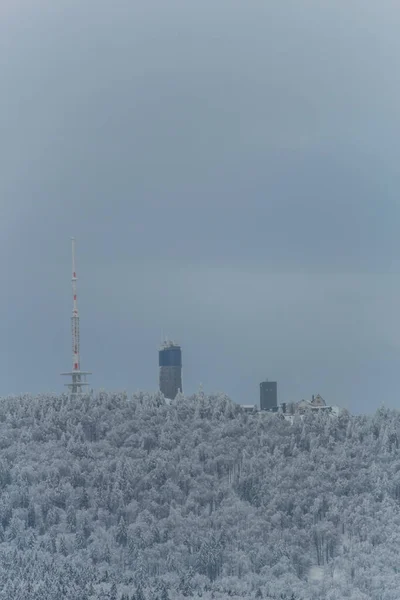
[[78, 377]]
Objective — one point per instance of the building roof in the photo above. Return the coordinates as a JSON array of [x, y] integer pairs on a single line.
[[318, 401], [169, 344]]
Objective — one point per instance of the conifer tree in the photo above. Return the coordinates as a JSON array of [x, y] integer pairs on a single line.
[[113, 591], [139, 593], [122, 534]]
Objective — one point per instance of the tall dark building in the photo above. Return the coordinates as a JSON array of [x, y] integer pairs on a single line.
[[269, 395], [170, 363]]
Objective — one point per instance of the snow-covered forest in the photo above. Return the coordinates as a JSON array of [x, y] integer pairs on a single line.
[[132, 498]]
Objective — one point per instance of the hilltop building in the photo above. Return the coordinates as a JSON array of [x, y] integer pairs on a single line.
[[316, 404], [170, 369], [249, 408]]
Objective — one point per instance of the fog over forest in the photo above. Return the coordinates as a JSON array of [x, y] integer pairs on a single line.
[[230, 171]]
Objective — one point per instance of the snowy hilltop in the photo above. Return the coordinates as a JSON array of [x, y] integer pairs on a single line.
[[109, 497]]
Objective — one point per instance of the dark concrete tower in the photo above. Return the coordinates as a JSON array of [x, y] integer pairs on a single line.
[[269, 395], [170, 363]]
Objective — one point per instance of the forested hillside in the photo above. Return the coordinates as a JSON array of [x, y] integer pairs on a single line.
[[132, 498]]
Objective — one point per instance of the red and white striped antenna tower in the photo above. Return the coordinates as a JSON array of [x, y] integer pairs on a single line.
[[78, 376]]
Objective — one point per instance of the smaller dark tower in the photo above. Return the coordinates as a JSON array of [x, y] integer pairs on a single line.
[[170, 363], [269, 395]]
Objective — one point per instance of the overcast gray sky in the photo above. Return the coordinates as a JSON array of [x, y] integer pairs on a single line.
[[230, 170]]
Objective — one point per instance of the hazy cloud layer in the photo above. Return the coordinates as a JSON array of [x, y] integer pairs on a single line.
[[230, 172]]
